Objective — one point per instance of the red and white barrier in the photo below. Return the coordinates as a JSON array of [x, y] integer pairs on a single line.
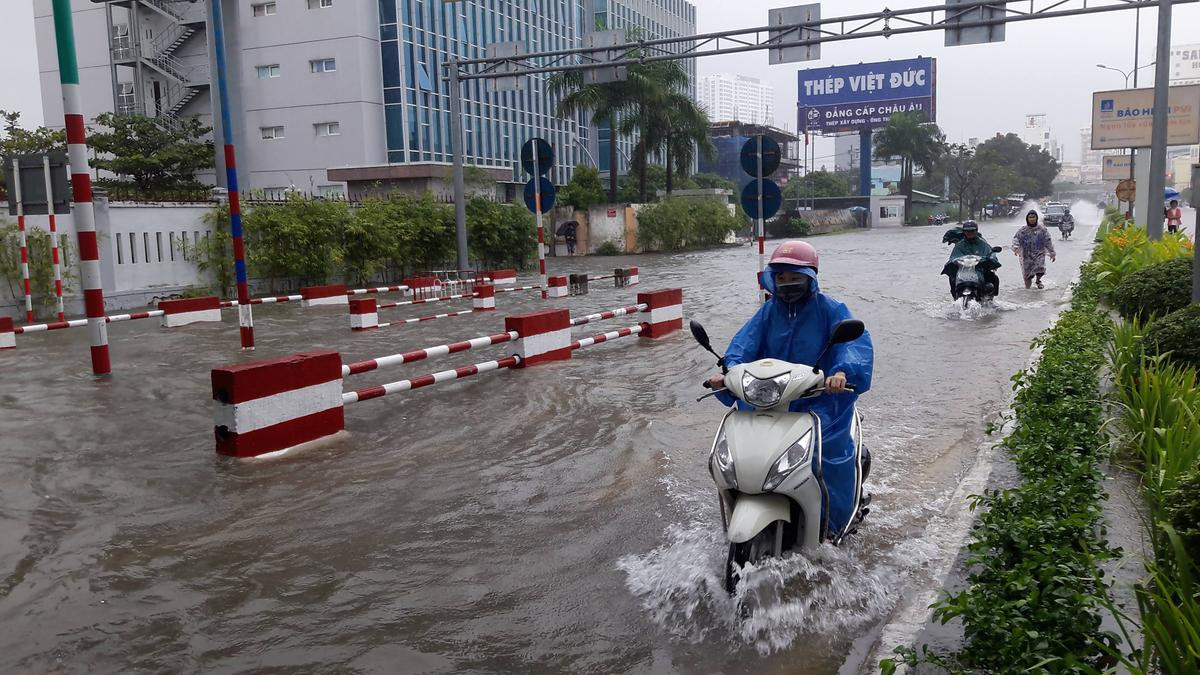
[[605, 337], [364, 314], [272, 405], [427, 353], [557, 287], [545, 336], [633, 276], [665, 308], [190, 310], [612, 313], [377, 391], [443, 298], [80, 323], [504, 277], [421, 319], [485, 298], [377, 289], [8, 338], [269, 300], [315, 296], [514, 289]]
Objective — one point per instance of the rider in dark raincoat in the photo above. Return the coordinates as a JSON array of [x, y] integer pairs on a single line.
[[795, 325], [973, 243]]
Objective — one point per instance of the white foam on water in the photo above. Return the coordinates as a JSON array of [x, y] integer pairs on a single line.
[[680, 584]]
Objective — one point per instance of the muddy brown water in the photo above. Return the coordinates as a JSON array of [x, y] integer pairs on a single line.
[[557, 519]]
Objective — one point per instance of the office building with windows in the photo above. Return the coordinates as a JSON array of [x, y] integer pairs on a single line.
[[737, 98], [325, 89], [651, 20]]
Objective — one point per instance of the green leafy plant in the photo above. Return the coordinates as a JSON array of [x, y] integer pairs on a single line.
[[1155, 290], [1177, 335], [501, 234], [41, 266], [1182, 506], [608, 248], [584, 191], [677, 223]]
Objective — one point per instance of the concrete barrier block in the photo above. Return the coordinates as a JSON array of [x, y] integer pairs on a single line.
[[8, 339], [484, 298], [364, 314], [190, 310], [314, 296], [557, 287], [665, 310], [544, 336]]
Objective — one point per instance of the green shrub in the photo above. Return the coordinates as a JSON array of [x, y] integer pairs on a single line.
[[608, 248], [41, 274], [1179, 334], [786, 227], [1183, 509], [502, 235], [675, 224], [1156, 290]]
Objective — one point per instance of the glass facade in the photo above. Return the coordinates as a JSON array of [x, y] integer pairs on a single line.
[[418, 36], [652, 20]]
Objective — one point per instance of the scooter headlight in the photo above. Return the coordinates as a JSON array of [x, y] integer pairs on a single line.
[[764, 393], [723, 458], [796, 454]]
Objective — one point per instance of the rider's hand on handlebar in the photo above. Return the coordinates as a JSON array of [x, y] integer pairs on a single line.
[[716, 382], [836, 383]]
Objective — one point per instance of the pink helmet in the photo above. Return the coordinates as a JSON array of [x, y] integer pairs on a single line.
[[796, 252]]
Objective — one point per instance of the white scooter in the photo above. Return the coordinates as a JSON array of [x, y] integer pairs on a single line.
[[766, 462]]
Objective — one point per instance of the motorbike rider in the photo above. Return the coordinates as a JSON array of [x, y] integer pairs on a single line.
[[973, 243], [795, 325]]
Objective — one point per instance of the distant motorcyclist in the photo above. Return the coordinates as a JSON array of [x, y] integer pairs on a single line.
[[972, 243]]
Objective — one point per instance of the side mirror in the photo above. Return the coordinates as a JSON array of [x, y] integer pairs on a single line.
[[996, 249], [847, 331], [700, 334]]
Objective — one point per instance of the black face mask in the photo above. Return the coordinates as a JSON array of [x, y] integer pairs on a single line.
[[797, 291]]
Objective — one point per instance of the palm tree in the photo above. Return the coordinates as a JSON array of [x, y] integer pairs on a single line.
[[687, 133], [653, 89], [917, 143], [604, 102]]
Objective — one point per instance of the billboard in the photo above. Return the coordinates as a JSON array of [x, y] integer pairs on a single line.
[[1117, 167], [1185, 64], [1124, 118], [865, 95]]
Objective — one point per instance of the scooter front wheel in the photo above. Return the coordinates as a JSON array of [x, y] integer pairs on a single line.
[[762, 545]]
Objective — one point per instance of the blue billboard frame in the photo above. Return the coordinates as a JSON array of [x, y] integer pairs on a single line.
[[863, 96]]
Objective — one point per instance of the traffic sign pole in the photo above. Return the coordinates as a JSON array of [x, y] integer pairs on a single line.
[[537, 200], [762, 297]]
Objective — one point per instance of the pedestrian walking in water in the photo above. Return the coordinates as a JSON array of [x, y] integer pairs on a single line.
[[1032, 244]]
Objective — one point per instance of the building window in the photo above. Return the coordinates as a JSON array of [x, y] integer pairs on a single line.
[[126, 105], [328, 128], [271, 133], [264, 9], [320, 4], [323, 65], [265, 72], [332, 190]]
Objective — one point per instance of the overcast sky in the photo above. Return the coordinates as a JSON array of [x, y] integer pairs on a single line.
[[1046, 66]]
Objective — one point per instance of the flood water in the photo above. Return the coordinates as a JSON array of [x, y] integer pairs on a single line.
[[555, 519]]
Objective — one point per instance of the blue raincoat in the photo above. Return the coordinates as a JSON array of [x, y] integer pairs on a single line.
[[797, 333]]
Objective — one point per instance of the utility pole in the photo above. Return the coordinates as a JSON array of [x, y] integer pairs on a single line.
[[459, 152], [1158, 147]]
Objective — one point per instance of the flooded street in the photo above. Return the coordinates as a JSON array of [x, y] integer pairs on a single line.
[[556, 519]]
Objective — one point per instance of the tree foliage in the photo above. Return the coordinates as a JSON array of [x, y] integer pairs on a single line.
[[18, 140], [584, 191], [1019, 167], [501, 234], [150, 155], [678, 223], [916, 142], [818, 184], [41, 270]]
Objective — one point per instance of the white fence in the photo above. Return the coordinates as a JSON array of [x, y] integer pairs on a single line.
[[144, 254]]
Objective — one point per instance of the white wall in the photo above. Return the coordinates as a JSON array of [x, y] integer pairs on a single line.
[[130, 278]]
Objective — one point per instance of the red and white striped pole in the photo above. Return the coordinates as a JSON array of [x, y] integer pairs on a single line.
[[24, 243], [537, 202], [81, 186], [58, 298]]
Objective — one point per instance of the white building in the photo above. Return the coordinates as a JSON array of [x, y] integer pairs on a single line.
[[1037, 133], [737, 98]]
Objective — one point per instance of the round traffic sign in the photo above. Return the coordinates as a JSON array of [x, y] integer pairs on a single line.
[[548, 191], [772, 198], [545, 156], [1127, 190], [771, 155]]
